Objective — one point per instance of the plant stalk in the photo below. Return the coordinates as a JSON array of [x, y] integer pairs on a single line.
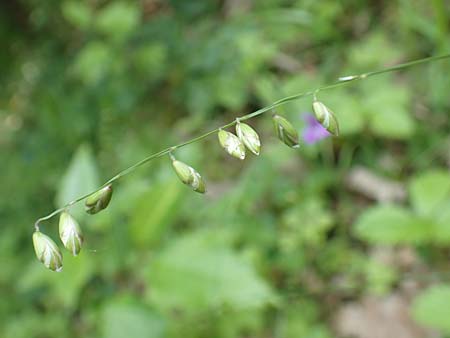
[[341, 82]]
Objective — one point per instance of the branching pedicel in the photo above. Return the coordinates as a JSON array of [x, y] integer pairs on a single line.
[[246, 138]]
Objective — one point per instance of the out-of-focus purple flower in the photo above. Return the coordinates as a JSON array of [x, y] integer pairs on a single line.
[[313, 132]]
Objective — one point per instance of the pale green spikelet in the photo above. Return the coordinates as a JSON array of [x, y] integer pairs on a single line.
[[326, 117], [232, 144], [249, 137], [286, 131], [189, 176], [99, 201], [47, 251], [70, 233]]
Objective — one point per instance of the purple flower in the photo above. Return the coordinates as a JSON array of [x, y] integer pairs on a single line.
[[313, 131]]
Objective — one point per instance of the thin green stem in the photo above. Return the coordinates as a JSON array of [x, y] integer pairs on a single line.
[[341, 82]]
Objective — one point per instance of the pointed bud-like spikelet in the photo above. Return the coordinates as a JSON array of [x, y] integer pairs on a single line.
[[326, 117], [286, 131], [189, 176], [249, 137], [47, 251], [99, 201], [70, 233], [231, 144]]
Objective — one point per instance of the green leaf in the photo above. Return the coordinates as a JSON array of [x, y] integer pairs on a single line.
[[80, 178], [128, 319], [93, 62], [155, 210], [77, 13], [429, 190], [389, 224], [442, 225], [364, 54], [431, 308], [387, 108], [396, 124], [67, 285], [118, 19], [195, 272]]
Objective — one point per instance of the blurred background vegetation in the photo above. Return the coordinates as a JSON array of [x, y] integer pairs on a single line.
[[347, 237]]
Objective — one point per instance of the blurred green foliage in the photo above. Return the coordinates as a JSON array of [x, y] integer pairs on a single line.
[[280, 243], [427, 222]]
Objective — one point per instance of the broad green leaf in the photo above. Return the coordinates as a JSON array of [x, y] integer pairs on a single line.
[[387, 108], [390, 224], [194, 273], [155, 210], [66, 286], [431, 308], [80, 178], [69, 283], [127, 319], [430, 191]]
